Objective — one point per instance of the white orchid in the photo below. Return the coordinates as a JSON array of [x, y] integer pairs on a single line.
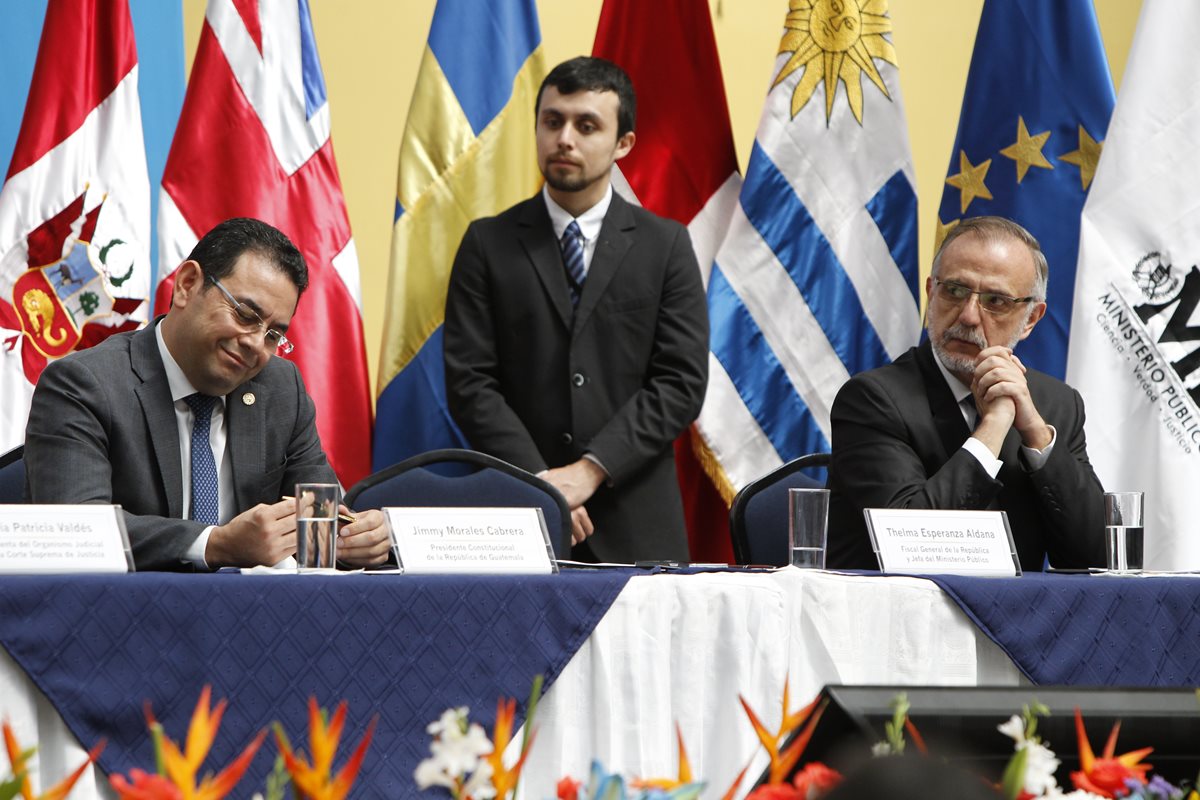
[[1014, 728], [1040, 766], [455, 753]]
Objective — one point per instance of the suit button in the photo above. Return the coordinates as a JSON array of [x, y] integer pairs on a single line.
[[577, 379], [566, 438]]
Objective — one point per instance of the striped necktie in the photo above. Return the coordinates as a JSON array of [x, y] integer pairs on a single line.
[[572, 250], [205, 503]]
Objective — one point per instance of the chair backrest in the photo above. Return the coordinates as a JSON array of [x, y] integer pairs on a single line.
[[758, 519], [12, 476], [457, 478]]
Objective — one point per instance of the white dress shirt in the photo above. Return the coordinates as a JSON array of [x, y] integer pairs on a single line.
[[181, 387], [589, 221]]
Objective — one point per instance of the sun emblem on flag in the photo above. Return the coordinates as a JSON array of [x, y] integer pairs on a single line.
[[832, 41]]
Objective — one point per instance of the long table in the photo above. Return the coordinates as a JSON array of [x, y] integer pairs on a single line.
[[628, 656]]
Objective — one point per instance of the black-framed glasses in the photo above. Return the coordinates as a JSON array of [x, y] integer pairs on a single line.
[[250, 320], [991, 302]]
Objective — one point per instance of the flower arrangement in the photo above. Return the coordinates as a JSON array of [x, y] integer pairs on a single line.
[[177, 768], [463, 761], [466, 762]]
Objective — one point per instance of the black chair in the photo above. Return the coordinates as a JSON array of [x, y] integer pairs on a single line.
[[12, 476], [758, 519], [457, 478]]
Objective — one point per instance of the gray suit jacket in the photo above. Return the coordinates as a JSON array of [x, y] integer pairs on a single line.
[[537, 383], [102, 430], [897, 443]]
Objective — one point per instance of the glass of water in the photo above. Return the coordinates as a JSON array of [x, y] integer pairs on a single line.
[[1124, 530], [808, 514], [316, 525]]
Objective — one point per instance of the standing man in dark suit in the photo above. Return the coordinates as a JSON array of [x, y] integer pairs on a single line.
[[959, 423], [576, 334], [191, 424]]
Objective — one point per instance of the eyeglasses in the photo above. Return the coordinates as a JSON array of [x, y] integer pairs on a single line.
[[250, 320], [991, 302]]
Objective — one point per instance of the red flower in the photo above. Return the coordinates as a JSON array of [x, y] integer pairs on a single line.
[[568, 789], [1106, 775], [816, 779], [775, 791], [145, 786]]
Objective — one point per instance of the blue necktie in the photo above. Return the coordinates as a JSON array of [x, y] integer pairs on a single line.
[[572, 250], [205, 505]]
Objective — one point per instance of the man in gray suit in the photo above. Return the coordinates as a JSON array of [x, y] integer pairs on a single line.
[[576, 335], [191, 424]]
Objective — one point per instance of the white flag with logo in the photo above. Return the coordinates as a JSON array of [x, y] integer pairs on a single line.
[[1135, 335]]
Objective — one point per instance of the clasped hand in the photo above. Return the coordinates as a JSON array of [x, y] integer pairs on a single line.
[[577, 482], [1003, 400]]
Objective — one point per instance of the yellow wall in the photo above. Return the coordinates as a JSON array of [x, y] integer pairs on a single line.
[[370, 51]]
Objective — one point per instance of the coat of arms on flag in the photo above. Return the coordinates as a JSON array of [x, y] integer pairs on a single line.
[[67, 287]]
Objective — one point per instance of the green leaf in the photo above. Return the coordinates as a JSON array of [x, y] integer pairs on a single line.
[[277, 781], [11, 787], [1013, 779], [895, 728]]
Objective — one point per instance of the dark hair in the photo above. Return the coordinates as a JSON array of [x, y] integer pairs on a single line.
[[589, 74], [219, 249]]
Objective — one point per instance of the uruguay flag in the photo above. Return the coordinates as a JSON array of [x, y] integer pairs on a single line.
[[816, 279], [254, 141], [1037, 104], [468, 152]]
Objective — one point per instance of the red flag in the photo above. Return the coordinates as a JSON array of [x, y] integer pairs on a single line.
[[253, 141], [75, 205], [684, 166]]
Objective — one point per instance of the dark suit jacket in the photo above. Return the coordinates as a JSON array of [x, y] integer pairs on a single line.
[[897, 443], [532, 383], [102, 430]]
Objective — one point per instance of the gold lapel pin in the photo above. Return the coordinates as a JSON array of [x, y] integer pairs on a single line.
[[248, 399]]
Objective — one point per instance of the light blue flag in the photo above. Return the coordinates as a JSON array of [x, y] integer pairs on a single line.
[[816, 279]]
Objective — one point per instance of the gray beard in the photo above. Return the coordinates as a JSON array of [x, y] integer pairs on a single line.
[[960, 366]]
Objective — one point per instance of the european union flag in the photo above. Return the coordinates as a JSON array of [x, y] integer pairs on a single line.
[[1034, 116]]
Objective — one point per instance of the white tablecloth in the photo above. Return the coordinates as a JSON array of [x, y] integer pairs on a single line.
[[680, 648]]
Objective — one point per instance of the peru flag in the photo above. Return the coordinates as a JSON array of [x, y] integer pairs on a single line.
[[253, 141], [75, 203], [683, 166]]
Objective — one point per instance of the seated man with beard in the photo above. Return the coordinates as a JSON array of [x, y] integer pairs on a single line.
[[959, 423]]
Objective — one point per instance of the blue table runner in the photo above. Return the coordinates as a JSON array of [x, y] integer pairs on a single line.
[[403, 647], [1089, 630]]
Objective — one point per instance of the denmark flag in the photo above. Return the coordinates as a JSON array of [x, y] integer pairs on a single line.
[[75, 204], [253, 141]]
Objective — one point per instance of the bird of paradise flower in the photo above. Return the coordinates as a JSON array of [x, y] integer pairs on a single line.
[[315, 780], [19, 782], [1106, 775], [177, 768]]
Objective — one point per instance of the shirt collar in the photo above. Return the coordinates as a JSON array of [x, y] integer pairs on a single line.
[[589, 221], [181, 387]]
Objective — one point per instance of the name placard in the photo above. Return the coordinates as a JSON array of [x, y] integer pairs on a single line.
[[53, 539], [472, 540], [912, 542]]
